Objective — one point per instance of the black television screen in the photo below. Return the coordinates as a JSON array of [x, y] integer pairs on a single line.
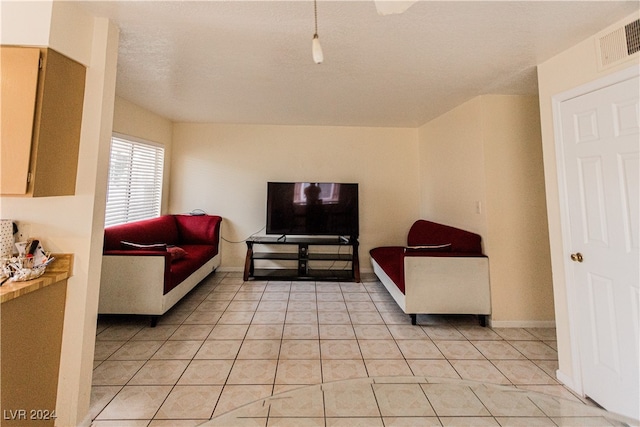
[[312, 208]]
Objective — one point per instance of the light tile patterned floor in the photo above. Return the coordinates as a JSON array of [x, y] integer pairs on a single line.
[[229, 343], [414, 401]]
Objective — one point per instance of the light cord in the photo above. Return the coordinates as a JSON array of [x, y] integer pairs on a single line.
[[243, 240], [315, 15]]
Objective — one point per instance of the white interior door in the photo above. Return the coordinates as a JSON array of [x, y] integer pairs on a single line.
[[600, 145]]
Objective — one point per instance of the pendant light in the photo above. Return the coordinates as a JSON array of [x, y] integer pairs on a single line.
[[316, 49]]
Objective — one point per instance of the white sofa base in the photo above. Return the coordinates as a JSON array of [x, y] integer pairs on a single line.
[[441, 285], [135, 284]]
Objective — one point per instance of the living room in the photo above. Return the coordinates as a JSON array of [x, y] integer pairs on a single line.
[[395, 169], [223, 169]]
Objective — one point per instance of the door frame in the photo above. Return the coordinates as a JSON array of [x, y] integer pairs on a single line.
[[575, 383]]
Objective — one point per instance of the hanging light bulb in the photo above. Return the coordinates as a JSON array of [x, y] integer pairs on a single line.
[[316, 49]]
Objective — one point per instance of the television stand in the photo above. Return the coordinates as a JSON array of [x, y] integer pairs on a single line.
[[278, 261]]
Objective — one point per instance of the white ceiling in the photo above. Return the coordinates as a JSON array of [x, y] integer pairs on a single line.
[[250, 61]]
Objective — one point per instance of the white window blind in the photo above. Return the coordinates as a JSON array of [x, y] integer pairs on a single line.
[[135, 181]]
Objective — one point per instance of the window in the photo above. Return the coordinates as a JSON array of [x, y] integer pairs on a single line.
[[329, 193], [135, 181]]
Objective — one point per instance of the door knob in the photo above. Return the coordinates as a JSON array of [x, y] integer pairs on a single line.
[[577, 257]]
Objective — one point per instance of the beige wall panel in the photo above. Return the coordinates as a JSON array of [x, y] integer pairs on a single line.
[[481, 170], [517, 242]]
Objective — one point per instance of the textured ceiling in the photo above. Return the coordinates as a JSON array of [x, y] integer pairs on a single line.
[[250, 61]]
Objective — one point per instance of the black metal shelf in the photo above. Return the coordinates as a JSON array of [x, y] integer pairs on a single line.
[[290, 256], [303, 257]]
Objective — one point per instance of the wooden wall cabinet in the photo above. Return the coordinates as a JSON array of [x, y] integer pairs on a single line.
[[41, 117]]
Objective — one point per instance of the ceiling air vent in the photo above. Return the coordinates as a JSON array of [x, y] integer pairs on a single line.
[[618, 45], [632, 31]]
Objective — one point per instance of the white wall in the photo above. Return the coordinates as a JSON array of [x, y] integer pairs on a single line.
[[26, 23], [572, 68], [73, 224], [224, 170]]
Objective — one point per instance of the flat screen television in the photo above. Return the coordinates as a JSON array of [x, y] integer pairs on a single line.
[[312, 208]]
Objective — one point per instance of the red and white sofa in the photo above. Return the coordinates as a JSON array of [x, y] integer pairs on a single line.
[[149, 265], [442, 270]]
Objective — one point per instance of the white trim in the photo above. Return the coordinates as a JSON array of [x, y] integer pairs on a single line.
[[575, 382], [137, 140], [523, 323], [231, 269]]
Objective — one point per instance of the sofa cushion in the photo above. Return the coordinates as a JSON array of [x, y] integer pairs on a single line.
[[195, 256], [391, 260], [176, 252], [424, 232], [162, 229]]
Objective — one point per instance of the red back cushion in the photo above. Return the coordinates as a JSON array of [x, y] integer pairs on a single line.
[[198, 229], [424, 232], [155, 230]]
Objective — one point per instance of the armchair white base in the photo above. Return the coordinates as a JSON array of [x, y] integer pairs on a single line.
[[441, 285], [135, 284]]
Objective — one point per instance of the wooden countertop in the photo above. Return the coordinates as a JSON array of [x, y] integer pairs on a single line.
[[59, 269]]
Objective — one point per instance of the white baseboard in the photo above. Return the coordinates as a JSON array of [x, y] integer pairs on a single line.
[[568, 382], [230, 269], [86, 422], [523, 323]]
